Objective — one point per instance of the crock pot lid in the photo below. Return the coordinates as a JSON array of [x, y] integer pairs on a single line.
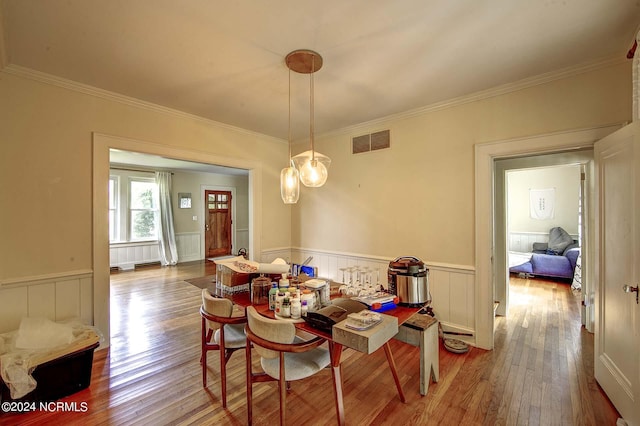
[[406, 262]]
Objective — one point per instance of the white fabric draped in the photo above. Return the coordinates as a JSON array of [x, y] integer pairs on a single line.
[[542, 203], [577, 274], [166, 232]]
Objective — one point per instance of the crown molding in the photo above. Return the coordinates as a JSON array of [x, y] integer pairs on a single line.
[[86, 89], [481, 95], [382, 121]]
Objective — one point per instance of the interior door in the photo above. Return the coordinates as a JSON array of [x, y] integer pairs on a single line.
[[617, 333], [217, 237]]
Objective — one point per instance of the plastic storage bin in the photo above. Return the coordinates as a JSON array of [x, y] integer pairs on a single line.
[[59, 373]]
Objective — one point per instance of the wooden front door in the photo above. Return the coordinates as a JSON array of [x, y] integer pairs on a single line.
[[217, 235], [617, 333]]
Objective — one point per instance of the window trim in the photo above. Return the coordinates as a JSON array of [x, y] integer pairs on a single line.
[[129, 210], [116, 210]]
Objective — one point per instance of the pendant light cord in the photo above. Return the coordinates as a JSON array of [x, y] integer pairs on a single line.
[[311, 119], [289, 118]]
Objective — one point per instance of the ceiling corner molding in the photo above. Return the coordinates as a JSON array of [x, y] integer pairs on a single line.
[[484, 94], [86, 89]]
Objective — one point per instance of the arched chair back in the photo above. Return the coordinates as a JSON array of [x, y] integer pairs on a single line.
[[222, 330], [283, 356]]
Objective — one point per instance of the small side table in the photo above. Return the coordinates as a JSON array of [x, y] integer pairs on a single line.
[[422, 331]]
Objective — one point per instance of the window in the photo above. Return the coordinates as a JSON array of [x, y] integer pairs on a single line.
[[143, 209], [114, 229], [133, 207]]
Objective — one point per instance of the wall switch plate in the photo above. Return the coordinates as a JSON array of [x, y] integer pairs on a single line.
[[195, 218]]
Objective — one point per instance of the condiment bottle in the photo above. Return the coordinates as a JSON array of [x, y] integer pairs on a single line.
[[296, 308], [284, 282], [286, 308], [310, 297], [279, 299], [303, 308], [273, 293]]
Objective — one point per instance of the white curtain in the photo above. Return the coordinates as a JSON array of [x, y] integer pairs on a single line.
[[166, 233], [636, 80]]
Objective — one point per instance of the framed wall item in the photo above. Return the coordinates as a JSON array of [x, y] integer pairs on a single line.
[[184, 200]]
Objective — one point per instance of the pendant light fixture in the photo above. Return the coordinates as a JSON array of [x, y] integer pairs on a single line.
[[289, 176], [312, 165]]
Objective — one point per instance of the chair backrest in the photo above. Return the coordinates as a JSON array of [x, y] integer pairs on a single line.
[[217, 306], [269, 329]]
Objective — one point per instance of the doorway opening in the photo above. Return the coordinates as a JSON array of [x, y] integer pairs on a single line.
[[103, 146], [487, 254], [558, 178]]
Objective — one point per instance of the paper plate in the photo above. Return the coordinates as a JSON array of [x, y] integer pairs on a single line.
[[456, 346]]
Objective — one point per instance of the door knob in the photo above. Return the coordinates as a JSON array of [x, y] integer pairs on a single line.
[[630, 289]]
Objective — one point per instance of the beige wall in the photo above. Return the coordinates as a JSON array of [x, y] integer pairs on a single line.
[[417, 198], [566, 182], [192, 183], [46, 170]]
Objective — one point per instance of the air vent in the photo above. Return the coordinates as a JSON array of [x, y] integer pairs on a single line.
[[361, 144], [371, 142]]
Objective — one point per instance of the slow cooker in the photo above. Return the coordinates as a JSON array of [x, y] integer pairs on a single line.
[[408, 278]]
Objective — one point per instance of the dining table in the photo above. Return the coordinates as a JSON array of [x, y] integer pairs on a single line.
[[402, 313]]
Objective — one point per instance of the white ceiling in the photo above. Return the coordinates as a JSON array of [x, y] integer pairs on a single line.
[[224, 60]]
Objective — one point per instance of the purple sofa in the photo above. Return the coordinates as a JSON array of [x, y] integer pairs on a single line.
[[550, 265], [555, 259]]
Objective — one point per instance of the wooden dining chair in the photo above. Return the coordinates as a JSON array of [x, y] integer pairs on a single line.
[[223, 331], [283, 356]]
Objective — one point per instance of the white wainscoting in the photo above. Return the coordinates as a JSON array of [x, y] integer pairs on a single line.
[[453, 298], [452, 287], [188, 245], [56, 297], [523, 241], [270, 255], [127, 255]]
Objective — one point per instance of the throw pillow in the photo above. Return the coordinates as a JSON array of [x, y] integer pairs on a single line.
[[559, 239]]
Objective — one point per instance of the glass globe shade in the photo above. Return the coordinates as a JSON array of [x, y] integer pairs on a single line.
[[289, 185], [313, 173]]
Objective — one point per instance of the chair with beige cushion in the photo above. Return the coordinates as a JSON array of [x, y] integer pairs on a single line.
[[222, 330], [283, 356]]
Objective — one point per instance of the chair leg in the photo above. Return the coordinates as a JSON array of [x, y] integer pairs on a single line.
[[282, 385], [206, 340], [223, 368], [204, 368], [203, 356], [249, 381]]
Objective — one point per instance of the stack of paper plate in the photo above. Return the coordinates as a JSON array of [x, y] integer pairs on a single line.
[[456, 346]]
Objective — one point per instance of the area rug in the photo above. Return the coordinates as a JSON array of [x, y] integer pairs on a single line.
[[202, 282]]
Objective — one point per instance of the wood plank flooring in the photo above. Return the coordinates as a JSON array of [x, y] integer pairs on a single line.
[[540, 372]]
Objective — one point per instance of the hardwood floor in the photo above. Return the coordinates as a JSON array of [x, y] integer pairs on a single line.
[[540, 372]]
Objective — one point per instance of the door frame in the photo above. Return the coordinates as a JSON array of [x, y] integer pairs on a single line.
[[102, 144], [583, 158], [485, 154], [203, 189]]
